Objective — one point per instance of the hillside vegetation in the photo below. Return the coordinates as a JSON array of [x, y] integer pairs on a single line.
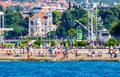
[[104, 1]]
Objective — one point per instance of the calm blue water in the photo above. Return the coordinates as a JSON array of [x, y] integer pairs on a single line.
[[60, 69]]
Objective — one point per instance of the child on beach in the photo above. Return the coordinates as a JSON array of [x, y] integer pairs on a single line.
[[115, 53]]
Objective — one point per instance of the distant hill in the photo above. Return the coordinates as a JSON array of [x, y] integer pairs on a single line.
[[104, 1]]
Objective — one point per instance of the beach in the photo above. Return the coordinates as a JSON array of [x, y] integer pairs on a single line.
[[82, 54]]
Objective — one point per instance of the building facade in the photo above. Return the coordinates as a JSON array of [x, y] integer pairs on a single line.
[[40, 24]]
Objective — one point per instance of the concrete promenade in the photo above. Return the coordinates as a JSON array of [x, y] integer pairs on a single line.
[[71, 56]]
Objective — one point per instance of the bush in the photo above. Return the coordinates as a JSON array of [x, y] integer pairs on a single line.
[[65, 43], [25, 42], [52, 43], [82, 43], [35, 45], [22, 45], [75, 43], [112, 42], [37, 42], [9, 45]]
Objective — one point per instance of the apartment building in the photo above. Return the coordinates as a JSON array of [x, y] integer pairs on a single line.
[[41, 24]]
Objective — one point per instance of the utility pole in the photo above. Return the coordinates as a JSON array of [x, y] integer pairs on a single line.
[[29, 32], [92, 26]]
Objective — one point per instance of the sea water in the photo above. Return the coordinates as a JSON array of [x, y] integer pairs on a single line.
[[60, 69]]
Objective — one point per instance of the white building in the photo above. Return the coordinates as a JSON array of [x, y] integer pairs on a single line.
[[41, 24]]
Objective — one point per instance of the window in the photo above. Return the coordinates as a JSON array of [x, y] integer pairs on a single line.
[[37, 30], [42, 30], [45, 23], [49, 23], [42, 23], [31, 22]]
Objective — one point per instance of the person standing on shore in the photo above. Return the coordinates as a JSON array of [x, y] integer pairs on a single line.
[[119, 47], [111, 51], [76, 53], [116, 53], [28, 52], [2, 45]]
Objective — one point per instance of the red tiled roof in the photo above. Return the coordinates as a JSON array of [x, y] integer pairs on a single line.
[[41, 15], [27, 4], [62, 1], [5, 4]]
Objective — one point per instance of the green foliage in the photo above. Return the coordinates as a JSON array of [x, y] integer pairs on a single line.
[[82, 43], [56, 17], [37, 43], [60, 32], [17, 22], [23, 44], [9, 45], [65, 43], [31, 13], [116, 30], [52, 43], [110, 16], [72, 32], [1, 8], [112, 42], [13, 8], [75, 43], [103, 1], [51, 34], [68, 18]]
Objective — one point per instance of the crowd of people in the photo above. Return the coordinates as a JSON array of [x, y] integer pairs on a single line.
[[62, 52]]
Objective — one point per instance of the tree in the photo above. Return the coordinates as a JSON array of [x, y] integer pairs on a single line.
[[112, 42], [109, 16], [52, 34], [68, 18], [37, 42], [72, 32], [116, 30], [1, 8], [31, 13], [60, 32], [17, 22], [56, 17], [17, 31]]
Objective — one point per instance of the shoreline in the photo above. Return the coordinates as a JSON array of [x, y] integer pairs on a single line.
[[58, 59], [15, 55]]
